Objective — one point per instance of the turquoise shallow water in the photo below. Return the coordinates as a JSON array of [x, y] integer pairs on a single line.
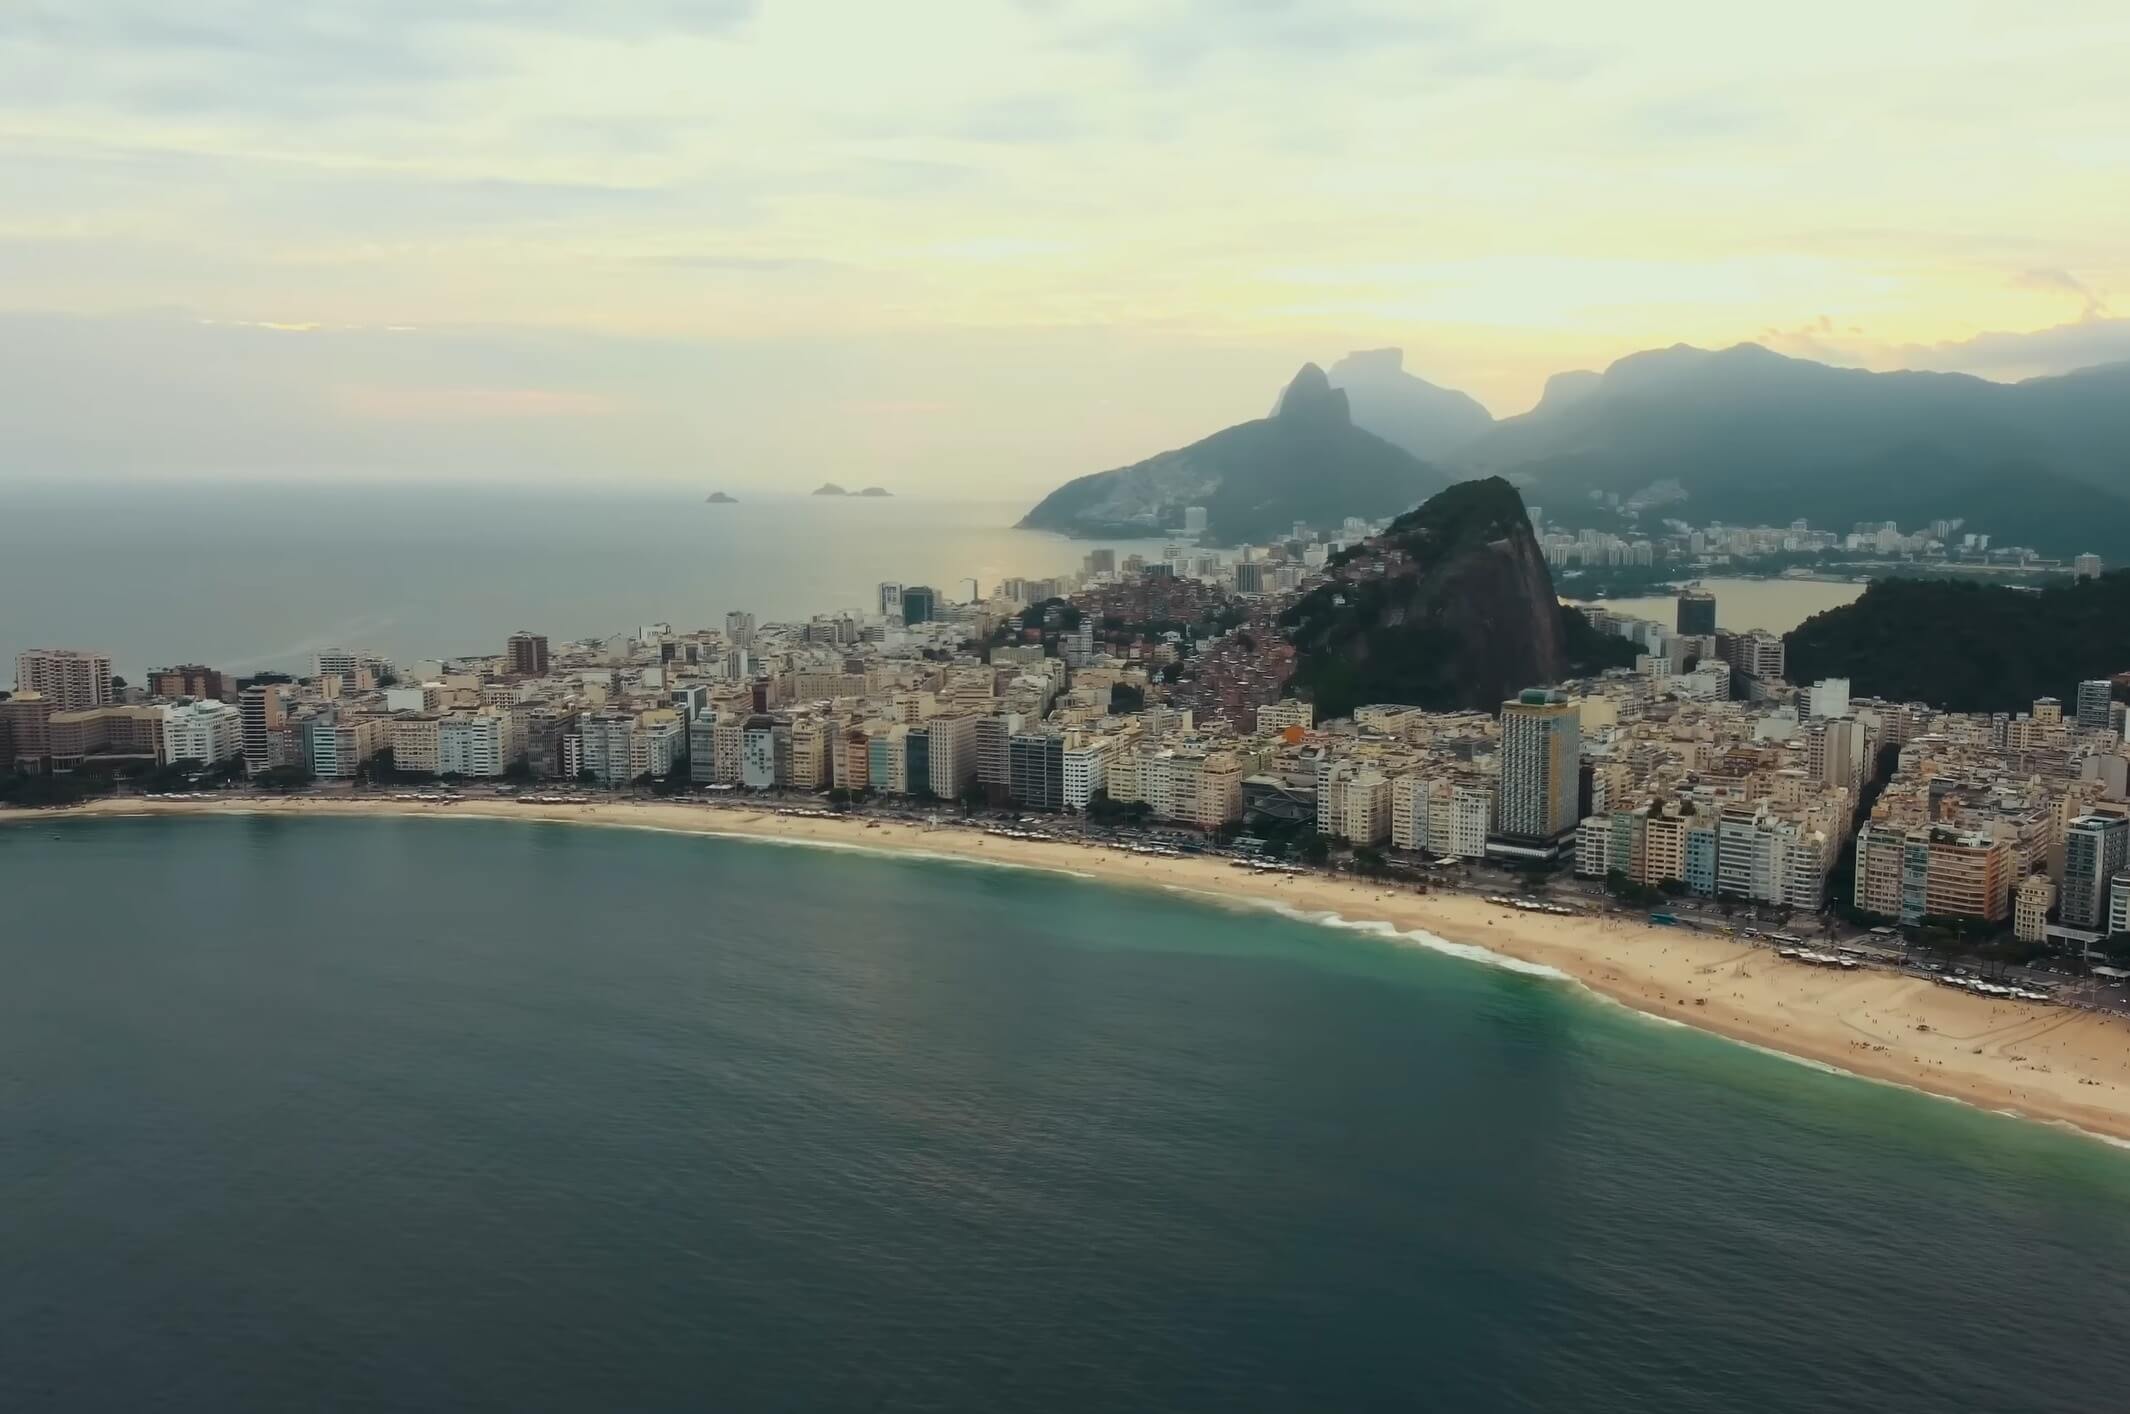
[[476, 1115]]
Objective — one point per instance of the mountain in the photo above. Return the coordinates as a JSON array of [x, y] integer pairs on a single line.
[[1308, 462], [830, 488], [1968, 647], [1451, 607], [1570, 387], [1404, 410], [1747, 435]]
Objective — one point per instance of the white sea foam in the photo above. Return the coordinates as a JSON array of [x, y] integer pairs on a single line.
[[1418, 937]]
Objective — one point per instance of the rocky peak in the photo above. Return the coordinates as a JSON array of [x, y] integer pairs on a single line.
[[1310, 397], [1464, 616]]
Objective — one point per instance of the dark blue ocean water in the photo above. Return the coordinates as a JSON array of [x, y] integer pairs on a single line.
[[481, 1116]]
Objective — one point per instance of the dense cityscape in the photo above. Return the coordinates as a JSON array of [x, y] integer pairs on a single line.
[[1150, 697]]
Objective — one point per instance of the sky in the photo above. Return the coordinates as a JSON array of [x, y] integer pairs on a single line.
[[974, 248]]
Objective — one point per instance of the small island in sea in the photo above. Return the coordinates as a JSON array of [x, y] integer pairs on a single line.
[[830, 488], [877, 492], [719, 498]]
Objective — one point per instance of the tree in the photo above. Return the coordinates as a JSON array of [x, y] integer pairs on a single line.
[[585, 777], [972, 795], [282, 778], [37, 789], [380, 768], [1316, 851], [1105, 811], [1628, 891]]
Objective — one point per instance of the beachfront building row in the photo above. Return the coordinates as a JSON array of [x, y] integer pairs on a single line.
[[37, 735], [1749, 852], [1937, 872]]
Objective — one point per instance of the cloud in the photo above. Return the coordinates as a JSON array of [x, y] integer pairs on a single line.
[[387, 403], [1022, 120], [1998, 354], [2004, 354], [2096, 304], [1182, 34], [1705, 115], [296, 58], [741, 264]]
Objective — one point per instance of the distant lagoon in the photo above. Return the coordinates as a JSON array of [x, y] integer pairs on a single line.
[[1777, 605]]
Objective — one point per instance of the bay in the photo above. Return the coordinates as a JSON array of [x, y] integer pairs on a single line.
[[244, 577], [360, 1114]]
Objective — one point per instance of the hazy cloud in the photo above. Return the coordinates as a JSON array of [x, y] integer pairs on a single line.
[[823, 211], [1999, 354], [2096, 305]]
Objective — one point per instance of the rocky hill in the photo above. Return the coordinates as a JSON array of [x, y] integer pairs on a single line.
[[1308, 462], [1451, 607]]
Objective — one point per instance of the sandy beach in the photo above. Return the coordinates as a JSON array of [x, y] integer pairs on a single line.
[[2041, 1062]]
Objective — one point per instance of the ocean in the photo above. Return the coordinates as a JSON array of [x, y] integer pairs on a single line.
[[418, 1114], [252, 577]]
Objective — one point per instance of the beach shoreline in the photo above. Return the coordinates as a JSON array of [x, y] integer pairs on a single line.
[[2052, 1064]]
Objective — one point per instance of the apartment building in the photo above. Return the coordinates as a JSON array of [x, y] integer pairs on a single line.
[[71, 679], [473, 744], [203, 731], [111, 731], [950, 752], [415, 742]]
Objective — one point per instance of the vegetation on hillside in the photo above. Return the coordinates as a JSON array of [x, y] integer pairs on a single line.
[[1969, 647], [1465, 609]]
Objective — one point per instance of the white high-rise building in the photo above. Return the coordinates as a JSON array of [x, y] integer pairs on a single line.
[[1086, 771], [1541, 753], [350, 666], [206, 732], [473, 744], [605, 745], [758, 753]]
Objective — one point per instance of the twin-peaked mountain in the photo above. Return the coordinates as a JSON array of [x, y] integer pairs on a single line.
[[1306, 462], [1405, 410]]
